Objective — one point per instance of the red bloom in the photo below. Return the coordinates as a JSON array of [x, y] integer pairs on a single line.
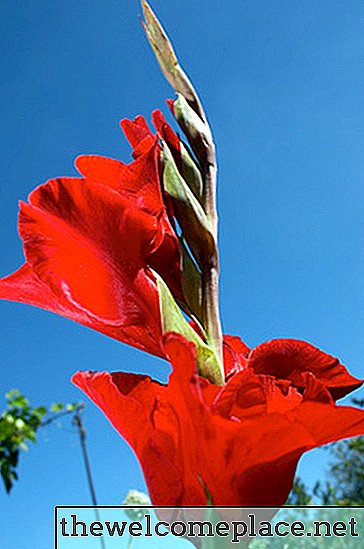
[[90, 242], [242, 441]]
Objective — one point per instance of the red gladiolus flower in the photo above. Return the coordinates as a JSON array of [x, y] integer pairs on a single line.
[[241, 442], [90, 242]]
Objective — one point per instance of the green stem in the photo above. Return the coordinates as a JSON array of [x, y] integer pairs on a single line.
[[210, 275]]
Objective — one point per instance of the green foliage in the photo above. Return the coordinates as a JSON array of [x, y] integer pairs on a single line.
[[57, 407], [299, 494], [19, 423]]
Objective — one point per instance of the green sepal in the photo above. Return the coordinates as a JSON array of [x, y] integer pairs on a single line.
[[173, 321], [190, 215]]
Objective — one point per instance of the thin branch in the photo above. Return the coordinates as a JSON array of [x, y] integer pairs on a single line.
[[77, 420], [62, 414]]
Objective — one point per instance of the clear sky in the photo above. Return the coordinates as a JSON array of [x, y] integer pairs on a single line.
[[282, 82]]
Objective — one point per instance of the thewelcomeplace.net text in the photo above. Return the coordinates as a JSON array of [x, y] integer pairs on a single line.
[[72, 527]]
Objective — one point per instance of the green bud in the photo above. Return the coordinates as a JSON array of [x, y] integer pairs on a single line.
[[190, 215], [195, 129]]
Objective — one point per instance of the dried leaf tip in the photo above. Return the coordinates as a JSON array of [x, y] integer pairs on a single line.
[[158, 38], [167, 59]]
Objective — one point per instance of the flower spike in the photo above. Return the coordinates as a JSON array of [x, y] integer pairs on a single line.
[[190, 115]]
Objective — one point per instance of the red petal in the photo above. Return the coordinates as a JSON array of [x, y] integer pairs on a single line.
[[244, 384], [170, 103], [88, 244], [167, 134], [180, 439], [240, 348], [140, 179], [315, 390], [247, 394], [24, 286], [166, 261], [126, 399], [132, 404], [328, 422], [140, 182], [135, 130], [259, 457], [235, 355], [266, 484], [187, 396], [290, 358], [144, 146]]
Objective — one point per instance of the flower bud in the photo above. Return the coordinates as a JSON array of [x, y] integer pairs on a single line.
[[195, 129], [195, 225]]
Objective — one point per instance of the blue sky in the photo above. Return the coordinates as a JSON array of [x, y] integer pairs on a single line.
[[282, 82]]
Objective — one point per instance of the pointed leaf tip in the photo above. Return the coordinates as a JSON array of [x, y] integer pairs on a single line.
[[167, 58]]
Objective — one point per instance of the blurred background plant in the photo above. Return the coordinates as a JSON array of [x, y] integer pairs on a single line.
[[19, 425]]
